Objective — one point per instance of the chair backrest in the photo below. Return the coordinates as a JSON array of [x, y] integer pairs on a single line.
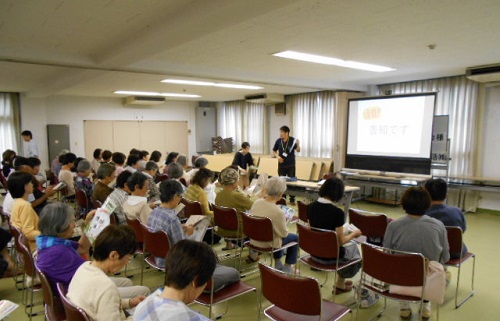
[[51, 177], [281, 201], [319, 243], [156, 243], [17, 234], [29, 262], [3, 180], [82, 199], [97, 204], [73, 313], [455, 240], [370, 224], [52, 300], [183, 181], [303, 215], [192, 208], [393, 267], [258, 228], [226, 218], [139, 233], [296, 294], [160, 178]]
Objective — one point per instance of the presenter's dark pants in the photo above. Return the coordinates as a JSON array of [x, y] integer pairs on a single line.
[[290, 172]]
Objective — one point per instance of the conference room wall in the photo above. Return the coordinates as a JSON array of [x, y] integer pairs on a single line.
[[72, 110]]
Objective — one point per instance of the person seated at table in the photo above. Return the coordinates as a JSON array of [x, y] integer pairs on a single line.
[[243, 159], [106, 175], [23, 216], [83, 181], [8, 157], [150, 171], [449, 215], [119, 160], [417, 233], [190, 266], [133, 163], [164, 218], [120, 195], [175, 172], [91, 289], [266, 207], [325, 215], [232, 198], [96, 162], [196, 190], [136, 206], [171, 158]]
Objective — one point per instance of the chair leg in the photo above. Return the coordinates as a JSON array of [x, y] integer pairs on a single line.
[[142, 268], [459, 304]]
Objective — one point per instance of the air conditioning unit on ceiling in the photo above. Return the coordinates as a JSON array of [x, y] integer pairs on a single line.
[[488, 73], [143, 100], [268, 99]]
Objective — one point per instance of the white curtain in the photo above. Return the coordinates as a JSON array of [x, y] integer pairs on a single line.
[[313, 121], [245, 122], [458, 98], [9, 122]]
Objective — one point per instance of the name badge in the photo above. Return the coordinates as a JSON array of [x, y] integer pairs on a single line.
[[284, 154]]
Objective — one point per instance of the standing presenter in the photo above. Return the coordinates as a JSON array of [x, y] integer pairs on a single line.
[[284, 149]]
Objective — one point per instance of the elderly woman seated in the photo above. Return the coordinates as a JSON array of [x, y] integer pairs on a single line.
[[176, 172], [136, 206], [91, 289], [106, 175], [196, 190], [231, 197], [83, 181], [419, 233], [59, 257], [266, 207], [190, 266]]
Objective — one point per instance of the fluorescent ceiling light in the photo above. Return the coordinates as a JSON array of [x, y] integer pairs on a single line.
[[148, 93], [207, 83], [331, 61]]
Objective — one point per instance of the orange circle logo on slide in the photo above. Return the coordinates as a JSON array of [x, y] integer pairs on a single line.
[[372, 113]]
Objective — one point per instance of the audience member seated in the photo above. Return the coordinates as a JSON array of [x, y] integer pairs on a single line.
[[41, 196], [143, 158], [83, 181], [21, 164], [243, 159], [418, 233], [266, 207], [120, 195], [23, 215], [449, 215], [106, 175], [8, 157], [325, 215], [150, 171], [132, 163], [156, 157], [7, 266], [106, 157], [91, 289], [190, 266], [164, 218], [119, 160], [58, 257], [136, 206], [176, 172], [196, 190], [66, 175], [182, 160], [96, 162], [230, 197], [200, 162], [171, 158]]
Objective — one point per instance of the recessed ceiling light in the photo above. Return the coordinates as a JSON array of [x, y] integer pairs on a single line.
[[207, 83], [331, 61], [148, 93]]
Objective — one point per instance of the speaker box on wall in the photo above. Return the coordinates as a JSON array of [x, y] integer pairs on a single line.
[[280, 109]]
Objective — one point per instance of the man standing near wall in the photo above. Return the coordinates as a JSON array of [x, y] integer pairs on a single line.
[[32, 148], [284, 149]]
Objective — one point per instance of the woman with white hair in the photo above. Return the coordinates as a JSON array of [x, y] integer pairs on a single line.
[[266, 207]]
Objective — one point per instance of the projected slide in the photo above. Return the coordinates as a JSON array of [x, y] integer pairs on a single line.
[[395, 127]]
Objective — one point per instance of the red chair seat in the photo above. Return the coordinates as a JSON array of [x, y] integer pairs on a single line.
[[327, 267], [329, 311], [456, 262], [226, 293]]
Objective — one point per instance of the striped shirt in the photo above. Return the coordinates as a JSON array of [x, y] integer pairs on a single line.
[[166, 220]]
